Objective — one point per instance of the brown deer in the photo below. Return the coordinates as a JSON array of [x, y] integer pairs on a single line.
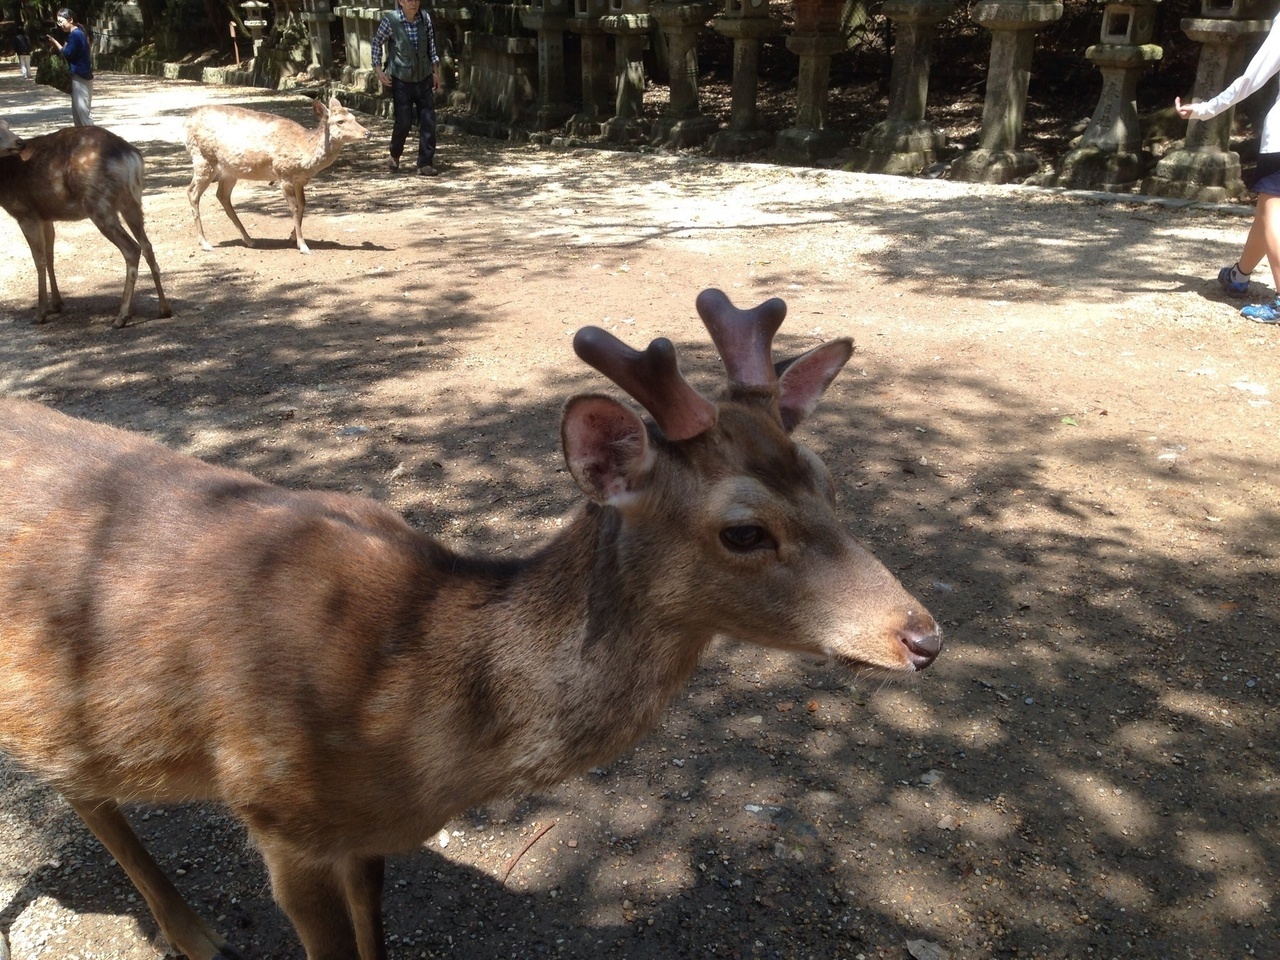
[[76, 174], [171, 630], [228, 144]]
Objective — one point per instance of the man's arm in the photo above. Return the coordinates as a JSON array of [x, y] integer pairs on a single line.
[[380, 38]]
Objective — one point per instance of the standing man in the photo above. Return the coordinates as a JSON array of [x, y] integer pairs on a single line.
[[413, 74]]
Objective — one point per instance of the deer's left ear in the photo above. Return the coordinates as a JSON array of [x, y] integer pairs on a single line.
[[804, 379], [321, 110], [606, 447]]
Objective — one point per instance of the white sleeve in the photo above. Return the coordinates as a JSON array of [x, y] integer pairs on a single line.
[[1264, 65]]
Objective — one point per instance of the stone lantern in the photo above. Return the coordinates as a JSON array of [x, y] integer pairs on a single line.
[[318, 15], [906, 143], [815, 40], [255, 21], [683, 123], [548, 19], [1204, 168], [1109, 155], [1013, 25], [628, 21], [597, 76], [747, 23]]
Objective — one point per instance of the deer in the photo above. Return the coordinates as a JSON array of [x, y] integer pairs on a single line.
[[75, 174], [228, 144], [172, 630]]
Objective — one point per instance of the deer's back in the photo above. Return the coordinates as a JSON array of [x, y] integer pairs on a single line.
[[172, 630], [71, 174], [249, 145]]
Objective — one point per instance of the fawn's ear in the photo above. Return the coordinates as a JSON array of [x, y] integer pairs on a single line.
[[321, 110], [606, 447], [804, 379]]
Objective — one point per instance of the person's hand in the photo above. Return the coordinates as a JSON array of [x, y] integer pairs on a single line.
[[435, 81], [383, 78], [56, 45], [1182, 109]]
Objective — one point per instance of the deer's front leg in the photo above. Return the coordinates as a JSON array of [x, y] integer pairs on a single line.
[[313, 891], [178, 922], [363, 882], [294, 197]]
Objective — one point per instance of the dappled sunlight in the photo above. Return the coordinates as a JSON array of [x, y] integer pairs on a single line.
[[1112, 808]]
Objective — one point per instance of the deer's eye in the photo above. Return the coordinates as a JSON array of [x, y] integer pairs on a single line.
[[748, 537]]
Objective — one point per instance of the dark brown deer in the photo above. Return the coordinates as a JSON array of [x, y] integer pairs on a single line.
[[229, 144], [171, 630], [76, 174]]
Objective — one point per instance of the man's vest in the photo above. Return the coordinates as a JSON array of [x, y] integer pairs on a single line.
[[403, 62]]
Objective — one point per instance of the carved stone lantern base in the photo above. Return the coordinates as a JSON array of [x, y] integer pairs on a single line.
[[994, 166], [1100, 168], [901, 147], [1211, 177], [686, 132], [627, 130], [737, 143]]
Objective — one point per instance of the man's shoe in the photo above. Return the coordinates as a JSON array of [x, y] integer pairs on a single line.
[[428, 171], [1234, 288], [1262, 312], [393, 165]]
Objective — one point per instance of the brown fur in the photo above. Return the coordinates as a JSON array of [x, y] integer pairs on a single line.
[[76, 174], [171, 630], [228, 144]]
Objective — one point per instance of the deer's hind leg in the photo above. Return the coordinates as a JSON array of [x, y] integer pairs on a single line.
[[108, 222], [225, 186], [202, 174], [178, 922], [131, 210]]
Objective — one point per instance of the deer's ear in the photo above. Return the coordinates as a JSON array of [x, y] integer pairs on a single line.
[[26, 153], [321, 110], [606, 447], [804, 379]]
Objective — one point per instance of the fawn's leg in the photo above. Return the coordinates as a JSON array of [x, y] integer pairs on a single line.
[[312, 892]]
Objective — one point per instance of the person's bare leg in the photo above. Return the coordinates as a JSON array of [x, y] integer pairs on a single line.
[[1255, 244], [1268, 217]]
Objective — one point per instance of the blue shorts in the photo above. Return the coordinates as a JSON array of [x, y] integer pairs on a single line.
[[1266, 175]]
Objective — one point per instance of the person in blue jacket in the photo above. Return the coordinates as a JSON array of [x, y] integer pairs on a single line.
[[77, 54]]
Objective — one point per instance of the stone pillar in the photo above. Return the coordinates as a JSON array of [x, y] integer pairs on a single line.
[[1204, 168], [1109, 155], [682, 124], [597, 74], [815, 41], [628, 23], [453, 21], [318, 16], [1013, 25], [746, 22], [906, 143], [548, 18]]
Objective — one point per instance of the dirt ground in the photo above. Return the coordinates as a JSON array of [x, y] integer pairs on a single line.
[[1056, 431]]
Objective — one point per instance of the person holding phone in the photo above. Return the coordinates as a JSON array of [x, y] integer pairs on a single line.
[[80, 62]]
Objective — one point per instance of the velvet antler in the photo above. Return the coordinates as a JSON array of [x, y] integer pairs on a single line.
[[652, 378], [743, 337]]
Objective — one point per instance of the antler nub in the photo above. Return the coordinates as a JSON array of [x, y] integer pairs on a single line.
[[652, 378], [743, 337]]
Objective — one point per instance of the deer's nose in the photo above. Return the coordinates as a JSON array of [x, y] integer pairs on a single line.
[[922, 638]]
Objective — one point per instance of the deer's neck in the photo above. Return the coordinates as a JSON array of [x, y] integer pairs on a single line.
[[561, 662]]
